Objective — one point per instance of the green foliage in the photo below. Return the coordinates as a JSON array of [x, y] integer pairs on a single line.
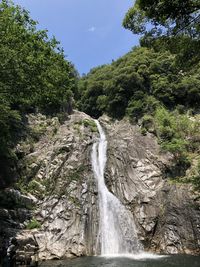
[[164, 16], [110, 88], [150, 85], [195, 179], [173, 125], [34, 72], [148, 123], [33, 224], [137, 84], [143, 131], [9, 124], [157, 83], [12, 200], [174, 128], [179, 135], [87, 123], [37, 132], [168, 25], [135, 108], [91, 124], [35, 76], [176, 146], [35, 188]]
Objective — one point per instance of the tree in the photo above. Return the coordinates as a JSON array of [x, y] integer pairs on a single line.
[[34, 72], [168, 17], [168, 25], [34, 75]]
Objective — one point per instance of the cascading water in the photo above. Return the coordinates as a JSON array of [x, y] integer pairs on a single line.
[[117, 232]]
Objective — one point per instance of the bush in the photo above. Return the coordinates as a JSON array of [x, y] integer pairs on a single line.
[[91, 124], [148, 122], [195, 178], [135, 109], [33, 224]]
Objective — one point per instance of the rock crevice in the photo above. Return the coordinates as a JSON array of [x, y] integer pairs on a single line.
[[62, 182]]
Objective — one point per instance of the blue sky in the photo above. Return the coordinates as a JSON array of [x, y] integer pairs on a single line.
[[90, 31]]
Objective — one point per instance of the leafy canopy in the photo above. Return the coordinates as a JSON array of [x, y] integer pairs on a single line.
[[34, 76], [138, 83], [169, 17]]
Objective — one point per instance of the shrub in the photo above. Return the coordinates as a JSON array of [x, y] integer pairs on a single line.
[[148, 122], [91, 124], [33, 224], [195, 178]]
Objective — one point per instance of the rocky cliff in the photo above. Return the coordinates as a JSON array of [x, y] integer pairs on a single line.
[[63, 192], [167, 214]]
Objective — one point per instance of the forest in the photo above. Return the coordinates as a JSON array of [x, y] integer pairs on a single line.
[[156, 85], [35, 77]]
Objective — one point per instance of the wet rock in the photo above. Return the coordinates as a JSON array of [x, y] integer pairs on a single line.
[[65, 193], [167, 215]]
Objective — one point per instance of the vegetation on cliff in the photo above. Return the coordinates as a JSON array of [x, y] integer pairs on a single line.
[[164, 70], [35, 76], [157, 83]]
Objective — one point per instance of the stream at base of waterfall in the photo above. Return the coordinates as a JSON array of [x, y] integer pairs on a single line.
[[117, 230]]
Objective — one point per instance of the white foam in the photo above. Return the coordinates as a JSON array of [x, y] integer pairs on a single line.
[[117, 229], [138, 256]]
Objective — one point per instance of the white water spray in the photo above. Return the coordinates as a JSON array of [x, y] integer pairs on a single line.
[[117, 232]]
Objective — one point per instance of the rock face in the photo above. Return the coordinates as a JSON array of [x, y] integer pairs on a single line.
[[61, 178], [167, 215], [63, 175]]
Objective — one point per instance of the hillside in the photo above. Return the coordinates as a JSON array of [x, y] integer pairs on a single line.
[[59, 207], [147, 103]]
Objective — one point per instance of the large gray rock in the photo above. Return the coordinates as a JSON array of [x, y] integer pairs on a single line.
[[167, 215], [67, 211], [59, 166]]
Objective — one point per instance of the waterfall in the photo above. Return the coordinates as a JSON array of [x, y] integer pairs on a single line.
[[117, 231]]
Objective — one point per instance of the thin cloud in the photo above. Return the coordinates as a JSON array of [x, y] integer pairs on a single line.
[[92, 29]]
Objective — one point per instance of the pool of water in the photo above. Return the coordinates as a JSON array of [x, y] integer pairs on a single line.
[[148, 260]]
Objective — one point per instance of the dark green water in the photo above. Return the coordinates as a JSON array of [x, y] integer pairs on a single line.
[[169, 261]]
